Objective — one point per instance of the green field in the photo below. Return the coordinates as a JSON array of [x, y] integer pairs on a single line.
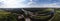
[[57, 15], [5, 16]]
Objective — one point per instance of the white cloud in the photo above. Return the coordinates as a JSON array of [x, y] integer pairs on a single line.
[[12, 4], [18, 4], [52, 5]]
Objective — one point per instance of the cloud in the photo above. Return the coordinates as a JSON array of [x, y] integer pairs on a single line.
[[52, 5], [12, 4], [1, 3], [19, 4]]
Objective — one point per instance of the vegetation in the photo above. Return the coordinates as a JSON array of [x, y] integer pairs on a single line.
[[7, 16], [57, 15], [46, 16]]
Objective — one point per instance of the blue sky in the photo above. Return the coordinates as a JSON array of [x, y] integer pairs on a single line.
[[43, 1], [55, 3], [28, 3]]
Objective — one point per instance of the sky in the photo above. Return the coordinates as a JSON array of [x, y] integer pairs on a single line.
[[29, 3]]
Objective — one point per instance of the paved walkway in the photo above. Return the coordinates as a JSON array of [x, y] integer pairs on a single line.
[[27, 19]]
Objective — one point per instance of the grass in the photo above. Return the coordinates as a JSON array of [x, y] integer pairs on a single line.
[[4, 16], [57, 15]]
